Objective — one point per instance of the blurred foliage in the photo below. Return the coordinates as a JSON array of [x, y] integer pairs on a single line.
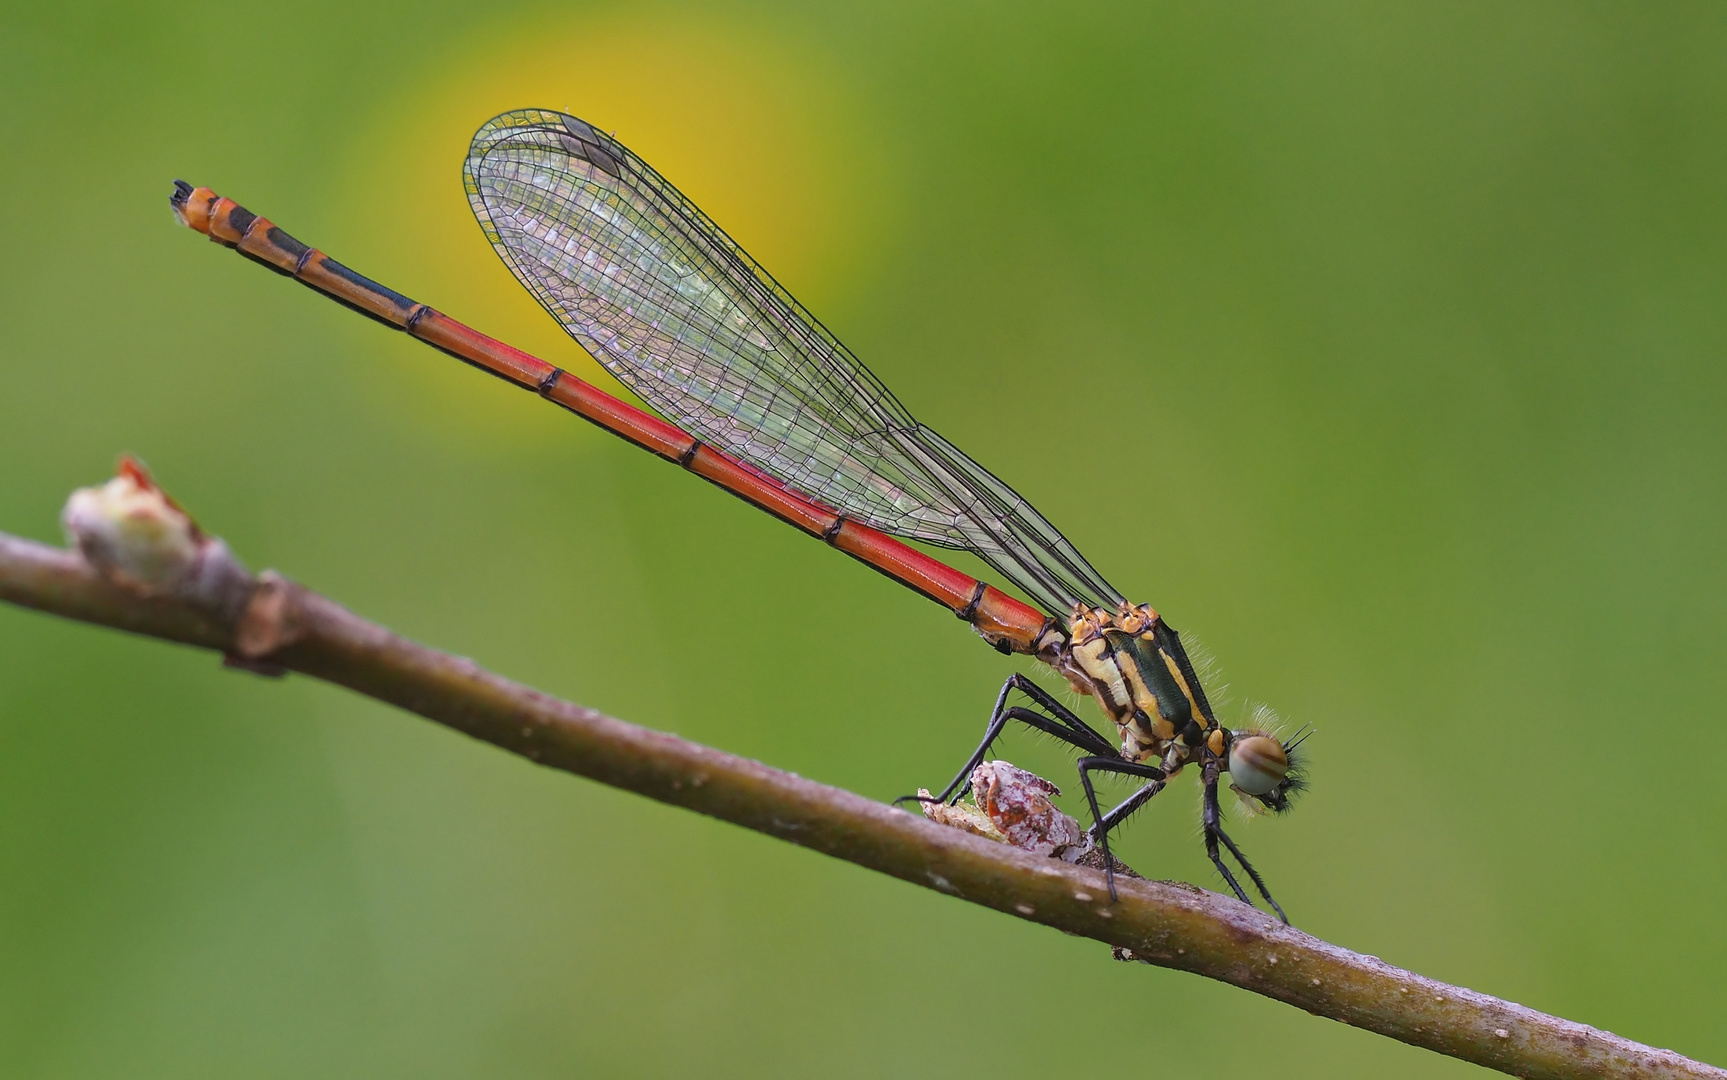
[[1379, 346]]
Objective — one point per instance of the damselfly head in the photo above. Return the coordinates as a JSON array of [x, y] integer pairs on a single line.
[[1266, 769], [1257, 763]]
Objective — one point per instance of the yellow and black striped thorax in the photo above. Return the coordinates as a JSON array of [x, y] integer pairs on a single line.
[[1134, 665]]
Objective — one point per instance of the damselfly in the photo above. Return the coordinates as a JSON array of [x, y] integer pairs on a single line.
[[774, 409]]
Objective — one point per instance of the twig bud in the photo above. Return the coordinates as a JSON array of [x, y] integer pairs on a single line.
[[131, 532], [1013, 807], [1018, 803]]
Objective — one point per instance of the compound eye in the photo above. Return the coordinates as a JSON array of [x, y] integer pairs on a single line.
[[1257, 764]]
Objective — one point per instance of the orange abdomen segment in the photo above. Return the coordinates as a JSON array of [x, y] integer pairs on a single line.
[[1004, 621]]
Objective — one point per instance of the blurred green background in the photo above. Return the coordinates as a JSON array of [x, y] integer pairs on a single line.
[[1379, 346]]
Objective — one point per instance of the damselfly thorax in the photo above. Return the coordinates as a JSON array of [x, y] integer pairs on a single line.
[[1118, 659], [1134, 666]]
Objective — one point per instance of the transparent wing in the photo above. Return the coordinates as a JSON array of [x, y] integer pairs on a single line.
[[682, 316]]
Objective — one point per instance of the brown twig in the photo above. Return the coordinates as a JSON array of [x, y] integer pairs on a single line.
[[268, 623]]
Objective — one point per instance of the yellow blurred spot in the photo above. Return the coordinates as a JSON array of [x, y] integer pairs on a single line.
[[753, 127]]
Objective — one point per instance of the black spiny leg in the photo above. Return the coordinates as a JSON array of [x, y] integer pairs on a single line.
[[1212, 816], [1102, 822], [1129, 805], [1064, 725]]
